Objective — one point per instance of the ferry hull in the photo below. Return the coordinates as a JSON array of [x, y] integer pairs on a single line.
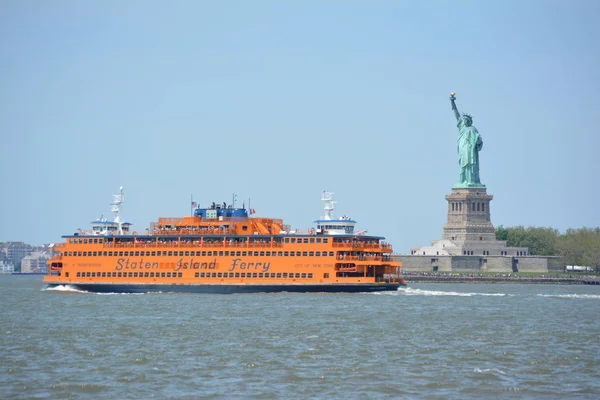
[[228, 289]]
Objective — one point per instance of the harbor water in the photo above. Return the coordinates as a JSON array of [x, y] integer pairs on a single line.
[[430, 340]]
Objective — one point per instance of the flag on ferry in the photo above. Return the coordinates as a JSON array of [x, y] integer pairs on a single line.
[[194, 204], [253, 211]]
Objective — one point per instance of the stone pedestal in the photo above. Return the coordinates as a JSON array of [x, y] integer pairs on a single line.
[[469, 216]]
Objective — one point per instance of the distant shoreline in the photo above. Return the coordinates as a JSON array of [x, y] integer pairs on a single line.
[[548, 280]]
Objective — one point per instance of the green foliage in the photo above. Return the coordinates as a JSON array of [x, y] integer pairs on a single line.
[[576, 246], [540, 241]]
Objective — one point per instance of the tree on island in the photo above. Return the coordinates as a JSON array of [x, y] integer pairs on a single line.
[[575, 246]]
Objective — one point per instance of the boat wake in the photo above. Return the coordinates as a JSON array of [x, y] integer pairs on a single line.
[[572, 296], [421, 292], [64, 288]]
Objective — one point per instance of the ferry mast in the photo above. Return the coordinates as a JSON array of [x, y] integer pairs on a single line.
[[116, 206]]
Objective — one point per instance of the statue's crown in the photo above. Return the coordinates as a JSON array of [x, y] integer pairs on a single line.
[[467, 116]]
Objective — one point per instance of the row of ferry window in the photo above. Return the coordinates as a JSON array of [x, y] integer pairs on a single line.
[[287, 240], [200, 253], [196, 275], [129, 274], [306, 240], [290, 275]]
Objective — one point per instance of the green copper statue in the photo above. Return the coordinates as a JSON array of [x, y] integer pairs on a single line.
[[469, 145]]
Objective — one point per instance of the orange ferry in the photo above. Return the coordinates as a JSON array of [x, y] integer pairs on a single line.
[[223, 249]]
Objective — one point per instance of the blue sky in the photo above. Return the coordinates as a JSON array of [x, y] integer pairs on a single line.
[[279, 100]]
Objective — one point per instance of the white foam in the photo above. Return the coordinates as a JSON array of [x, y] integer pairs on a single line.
[[421, 292], [572, 296], [64, 288], [493, 370]]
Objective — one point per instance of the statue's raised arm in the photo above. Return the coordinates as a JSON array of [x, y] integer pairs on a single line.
[[454, 108]]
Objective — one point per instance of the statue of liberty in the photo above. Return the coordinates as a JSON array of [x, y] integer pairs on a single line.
[[469, 145]]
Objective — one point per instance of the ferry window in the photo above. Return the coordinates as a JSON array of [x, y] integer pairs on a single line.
[[238, 253], [318, 254], [318, 240], [137, 253], [87, 274], [220, 254], [154, 253], [326, 275], [162, 274], [244, 227], [164, 253], [79, 274], [287, 240], [126, 254], [237, 274], [85, 253], [110, 253], [262, 253], [66, 274], [119, 275], [305, 253], [220, 275], [204, 253], [325, 240], [244, 253], [95, 253], [291, 275], [231, 274], [196, 274], [286, 253], [268, 253], [285, 275], [279, 274], [311, 253], [297, 274], [79, 254], [312, 240], [303, 275], [210, 253], [293, 240], [104, 253], [310, 275], [135, 274], [331, 254], [180, 274], [84, 241], [170, 253], [279, 253], [243, 274], [201, 274], [226, 254], [120, 254], [187, 253], [305, 240], [272, 274], [168, 274], [254, 274], [255, 254], [260, 275], [214, 274]]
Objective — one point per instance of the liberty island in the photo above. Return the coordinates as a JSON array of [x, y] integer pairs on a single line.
[[468, 243]]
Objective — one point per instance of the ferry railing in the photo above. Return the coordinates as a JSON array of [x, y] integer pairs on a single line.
[[191, 243], [358, 258]]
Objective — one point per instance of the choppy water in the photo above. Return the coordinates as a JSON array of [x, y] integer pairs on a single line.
[[428, 341]]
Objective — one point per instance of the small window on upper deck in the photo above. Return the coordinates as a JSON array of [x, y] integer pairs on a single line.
[[325, 240], [244, 227]]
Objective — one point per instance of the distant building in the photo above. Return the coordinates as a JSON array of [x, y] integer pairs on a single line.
[[6, 267], [16, 251], [36, 262]]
